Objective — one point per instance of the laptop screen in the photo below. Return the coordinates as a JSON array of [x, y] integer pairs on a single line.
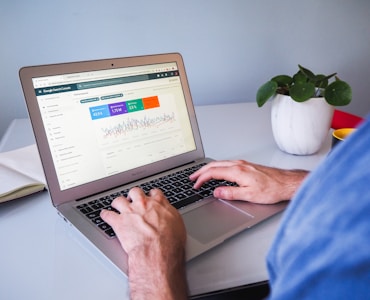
[[104, 122]]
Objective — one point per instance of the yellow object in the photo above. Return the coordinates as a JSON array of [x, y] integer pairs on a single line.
[[342, 133]]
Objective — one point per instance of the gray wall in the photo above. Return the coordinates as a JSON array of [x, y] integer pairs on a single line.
[[230, 47]]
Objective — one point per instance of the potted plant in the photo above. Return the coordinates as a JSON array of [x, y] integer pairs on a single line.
[[302, 108]]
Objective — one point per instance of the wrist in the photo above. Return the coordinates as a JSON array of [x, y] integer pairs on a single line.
[[156, 273], [291, 181]]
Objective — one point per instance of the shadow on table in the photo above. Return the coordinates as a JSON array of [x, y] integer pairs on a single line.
[[255, 291]]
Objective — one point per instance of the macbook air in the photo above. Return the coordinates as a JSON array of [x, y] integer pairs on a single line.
[[105, 126]]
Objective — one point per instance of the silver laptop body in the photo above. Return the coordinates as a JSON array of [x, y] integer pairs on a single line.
[[107, 125]]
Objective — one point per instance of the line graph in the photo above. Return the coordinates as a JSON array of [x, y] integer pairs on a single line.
[[146, 123]]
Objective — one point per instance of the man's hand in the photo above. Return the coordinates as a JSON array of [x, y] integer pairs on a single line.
[[153, 235], [256, 183]]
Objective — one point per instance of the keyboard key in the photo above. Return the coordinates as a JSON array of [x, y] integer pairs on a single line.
[[187, 201], [86, 210], [93, 215], [104, 226], [110, 232], [97, 206], [98, 220]]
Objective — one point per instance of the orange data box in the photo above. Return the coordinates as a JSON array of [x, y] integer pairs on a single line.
[[150, 102]]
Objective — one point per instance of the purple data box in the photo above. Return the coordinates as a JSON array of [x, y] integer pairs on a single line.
[[117, 108]]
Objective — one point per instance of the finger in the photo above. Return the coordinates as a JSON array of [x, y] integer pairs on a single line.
[[139, 200], [212, 164], [219, 173], [201, 179], [109, 216], [231, 193], [135, 193], [120, 203], [241, 193], [156, 194]]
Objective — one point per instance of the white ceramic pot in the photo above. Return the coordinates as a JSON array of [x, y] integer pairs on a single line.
[[300, 128]]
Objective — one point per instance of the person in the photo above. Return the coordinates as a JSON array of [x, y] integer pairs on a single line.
[[321, 249]]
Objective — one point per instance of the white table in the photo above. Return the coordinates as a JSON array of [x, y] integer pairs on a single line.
[[41, 257]]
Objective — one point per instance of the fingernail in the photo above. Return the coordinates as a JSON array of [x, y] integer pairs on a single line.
[[219, 193]]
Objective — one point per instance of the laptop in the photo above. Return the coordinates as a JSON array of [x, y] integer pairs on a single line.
[[105, 126]]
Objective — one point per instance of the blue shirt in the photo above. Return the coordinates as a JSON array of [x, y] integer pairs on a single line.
[[322, 248]]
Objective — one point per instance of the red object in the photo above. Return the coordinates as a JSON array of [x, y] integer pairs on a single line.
[[343, 119]]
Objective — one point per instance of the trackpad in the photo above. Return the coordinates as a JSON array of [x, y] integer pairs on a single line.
[[213, 220]]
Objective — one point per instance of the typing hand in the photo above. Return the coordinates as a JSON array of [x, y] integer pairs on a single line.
[[153, 235], [256, 183]]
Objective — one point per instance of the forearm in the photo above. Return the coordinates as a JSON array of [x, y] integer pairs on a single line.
[[153, 275]]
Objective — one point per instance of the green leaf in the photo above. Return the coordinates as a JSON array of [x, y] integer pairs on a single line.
[[301, 92], [265, 92], [321, 81], [309, 74], [283, 80], [331, 75], [299, 77], [338, 93]]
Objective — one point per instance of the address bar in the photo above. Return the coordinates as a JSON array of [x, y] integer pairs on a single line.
[[111, 81]]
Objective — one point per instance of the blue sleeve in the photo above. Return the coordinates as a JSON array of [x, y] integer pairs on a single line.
[[322, 248]]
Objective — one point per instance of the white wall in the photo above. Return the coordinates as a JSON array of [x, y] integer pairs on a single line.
[[230, 47]]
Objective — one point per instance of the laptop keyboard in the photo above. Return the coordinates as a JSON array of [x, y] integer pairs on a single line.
[[176, 187]]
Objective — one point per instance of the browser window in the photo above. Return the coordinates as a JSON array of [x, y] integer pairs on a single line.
[[138, 114]]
